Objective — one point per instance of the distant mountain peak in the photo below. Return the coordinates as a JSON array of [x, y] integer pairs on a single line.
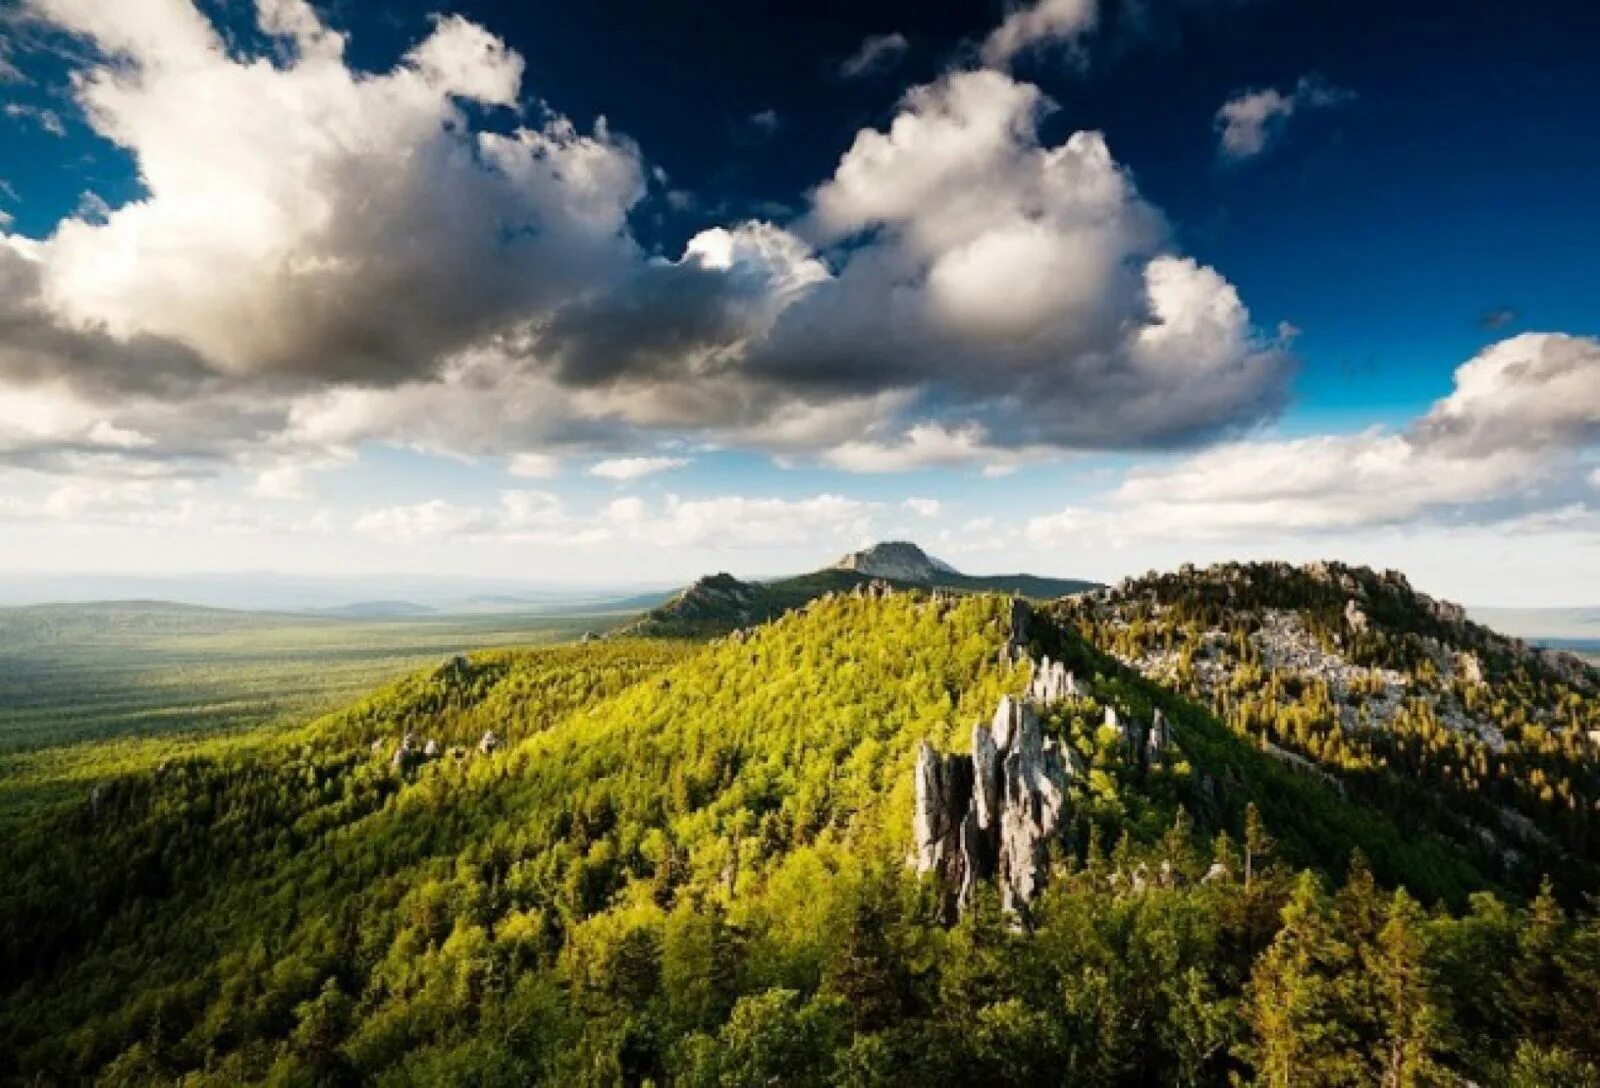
[[900, 560]]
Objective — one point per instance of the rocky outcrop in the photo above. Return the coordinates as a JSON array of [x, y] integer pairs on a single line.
[[406, 754], [1355, 618], [1158, 739], [1052, 683], [944, 794], [993, 812]]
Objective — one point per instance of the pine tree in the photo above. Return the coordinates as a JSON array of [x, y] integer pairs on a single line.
[[1410, 1017], [1296, 1001]]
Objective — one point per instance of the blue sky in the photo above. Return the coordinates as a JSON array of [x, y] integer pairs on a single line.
[[1082, 287]]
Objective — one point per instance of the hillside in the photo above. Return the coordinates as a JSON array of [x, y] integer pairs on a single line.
[[721, 603], [1409, 705], [633, 860]]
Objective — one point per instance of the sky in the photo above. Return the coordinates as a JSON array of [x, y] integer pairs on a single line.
[[619, 294]]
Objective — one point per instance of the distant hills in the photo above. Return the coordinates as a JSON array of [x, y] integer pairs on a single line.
[[720, 602]]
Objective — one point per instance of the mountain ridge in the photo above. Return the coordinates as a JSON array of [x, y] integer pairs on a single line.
[[716, 604]]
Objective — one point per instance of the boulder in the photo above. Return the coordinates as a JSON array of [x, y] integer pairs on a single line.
[[488, 743]]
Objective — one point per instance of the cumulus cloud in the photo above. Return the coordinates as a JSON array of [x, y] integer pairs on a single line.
[[928, 508], [1033, 26], [1505, 445], [307, 219], [1250, 121], [877, 53], [326, 258], [1023, 289], [635, 468]]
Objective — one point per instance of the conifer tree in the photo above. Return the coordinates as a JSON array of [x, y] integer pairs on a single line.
[[1296, 1001]]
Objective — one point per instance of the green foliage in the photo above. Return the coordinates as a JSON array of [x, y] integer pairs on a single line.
[[687, 865]]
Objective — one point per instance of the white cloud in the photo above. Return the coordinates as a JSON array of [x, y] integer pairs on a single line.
[[283, 482], [924, 446], [731, 521], [47, 119], [877, 53], [327, 258], [268, 241], [1017, 287], [534, 466], [928, 508], [634, 468], [1248, 122], [1031, 26], [1504, 446]]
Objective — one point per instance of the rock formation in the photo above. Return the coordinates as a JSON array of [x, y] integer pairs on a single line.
[[405, 753], [1158, 739], [992, 813], [1052, 683], [944, 794], [1354, 617]]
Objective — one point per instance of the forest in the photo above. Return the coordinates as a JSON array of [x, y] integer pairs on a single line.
[[647, 861]]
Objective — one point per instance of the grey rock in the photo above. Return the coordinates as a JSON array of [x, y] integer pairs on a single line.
[[1051, 683], [1035, 801], [994, 812], [988, 778], [1017, 623], [1354, 618], [488, 743], [405, 753], [1159, 739], [943, 796]]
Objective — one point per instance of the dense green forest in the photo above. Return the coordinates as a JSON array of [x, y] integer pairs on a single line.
[[653, 861]]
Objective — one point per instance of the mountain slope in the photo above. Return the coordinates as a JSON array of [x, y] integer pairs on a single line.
[[677, 858], [1413, 708], [721, 603]]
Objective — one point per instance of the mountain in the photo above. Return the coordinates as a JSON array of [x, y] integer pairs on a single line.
[[890, 837], [898, 561], [720, 603]]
